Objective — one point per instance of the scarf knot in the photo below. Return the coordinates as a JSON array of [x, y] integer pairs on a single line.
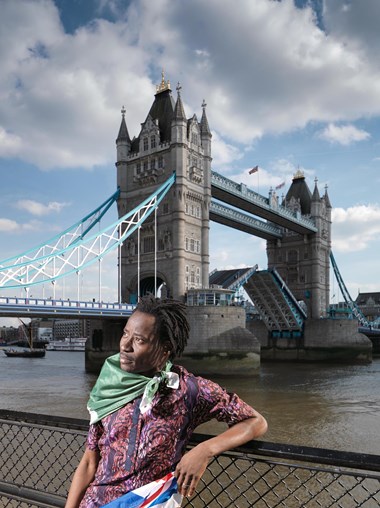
[[115, 387]]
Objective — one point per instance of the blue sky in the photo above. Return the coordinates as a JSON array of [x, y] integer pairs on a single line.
[[288, 85]]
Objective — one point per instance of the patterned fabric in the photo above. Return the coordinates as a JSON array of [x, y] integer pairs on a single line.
[[161, 493], [138, 448]]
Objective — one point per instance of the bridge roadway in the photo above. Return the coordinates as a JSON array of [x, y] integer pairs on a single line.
[[240, 196], [40, 307]]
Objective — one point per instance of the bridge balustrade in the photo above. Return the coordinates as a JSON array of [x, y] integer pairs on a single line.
[[40, 453], [240, 189], [34, 306]]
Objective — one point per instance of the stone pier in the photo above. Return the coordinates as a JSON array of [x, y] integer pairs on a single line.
[[324, 340]]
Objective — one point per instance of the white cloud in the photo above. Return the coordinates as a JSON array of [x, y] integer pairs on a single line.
[[9, 144], [343, 135], [39, 209], [8, 225], [355, 228], [263, 68], [223, 153], [12, 226]]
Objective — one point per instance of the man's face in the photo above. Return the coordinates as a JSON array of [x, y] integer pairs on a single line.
[[140, 350]]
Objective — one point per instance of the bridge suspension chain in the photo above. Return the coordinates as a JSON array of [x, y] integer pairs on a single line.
[[74, 249], [356, 311]]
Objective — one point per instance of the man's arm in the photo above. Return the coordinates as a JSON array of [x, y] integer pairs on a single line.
[[82, 478], [193, 464]]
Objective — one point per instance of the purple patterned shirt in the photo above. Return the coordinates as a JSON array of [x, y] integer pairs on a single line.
[[138, 448]]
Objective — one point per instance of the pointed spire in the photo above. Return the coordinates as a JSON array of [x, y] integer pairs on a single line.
[[327, 199], [316, 196], [123, 131], [205, 129], [179, 112]]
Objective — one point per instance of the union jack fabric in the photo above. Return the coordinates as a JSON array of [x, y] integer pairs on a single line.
[[161, 493]]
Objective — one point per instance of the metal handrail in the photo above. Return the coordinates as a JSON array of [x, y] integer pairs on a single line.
[[249, 475]]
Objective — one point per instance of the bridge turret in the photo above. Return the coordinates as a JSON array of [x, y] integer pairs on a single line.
[[123, 141], [123, 147], [167, 142], [205, 131], [303, 260], [179, 122]]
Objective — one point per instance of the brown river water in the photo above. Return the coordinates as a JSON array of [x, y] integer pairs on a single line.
[[326, 406]]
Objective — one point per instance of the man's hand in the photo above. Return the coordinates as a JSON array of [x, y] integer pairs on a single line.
[[191, 468], [193, 464]]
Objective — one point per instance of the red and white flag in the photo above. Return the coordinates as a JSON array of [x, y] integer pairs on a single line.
[[253, 170]]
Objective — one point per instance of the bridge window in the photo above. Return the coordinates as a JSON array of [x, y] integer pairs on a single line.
[[153, 141], [165, 209], [192, 245], [160, 162], [145, 144], [152, 164], [293, 256], [138, 168], [193, 210], [146, 166], [160, 244], [148, 244]]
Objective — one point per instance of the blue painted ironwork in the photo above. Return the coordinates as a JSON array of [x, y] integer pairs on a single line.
[[52, 262], [240, 281], [69, 236], [354, 308]]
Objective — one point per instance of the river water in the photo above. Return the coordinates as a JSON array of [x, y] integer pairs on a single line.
[[327, 406]]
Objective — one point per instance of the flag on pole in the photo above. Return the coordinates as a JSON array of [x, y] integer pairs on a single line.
[[280, 186], [254, 170], [161, 493]]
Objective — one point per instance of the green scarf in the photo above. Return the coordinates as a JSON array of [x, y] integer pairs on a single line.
[[114, 388]]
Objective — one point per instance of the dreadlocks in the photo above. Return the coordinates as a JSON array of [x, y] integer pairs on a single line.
[[171, 321]]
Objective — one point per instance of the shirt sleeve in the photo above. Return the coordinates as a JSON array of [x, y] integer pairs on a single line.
[[215, 402], [94, 433]]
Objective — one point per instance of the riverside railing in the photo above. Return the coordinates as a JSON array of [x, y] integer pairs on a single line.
[[39, 453]]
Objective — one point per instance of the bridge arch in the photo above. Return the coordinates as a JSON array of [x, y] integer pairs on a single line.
[[148, 284]]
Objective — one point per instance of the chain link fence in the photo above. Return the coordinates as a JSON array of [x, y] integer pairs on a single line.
[[39, 454]]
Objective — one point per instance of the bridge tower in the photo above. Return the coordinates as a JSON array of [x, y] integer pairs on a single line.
[[167, 142], [303, 261]]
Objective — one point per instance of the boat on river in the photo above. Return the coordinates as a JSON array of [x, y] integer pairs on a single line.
[[25, 353], [28, 352]]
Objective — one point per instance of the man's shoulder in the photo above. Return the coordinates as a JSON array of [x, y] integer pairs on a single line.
[[189, 377]]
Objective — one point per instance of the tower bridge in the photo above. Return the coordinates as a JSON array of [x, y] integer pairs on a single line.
[[162, 240]]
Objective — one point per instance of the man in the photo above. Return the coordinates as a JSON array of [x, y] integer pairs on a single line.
[[144, 410]]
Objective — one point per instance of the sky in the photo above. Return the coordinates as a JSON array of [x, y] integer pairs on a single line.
[[289, 85]]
